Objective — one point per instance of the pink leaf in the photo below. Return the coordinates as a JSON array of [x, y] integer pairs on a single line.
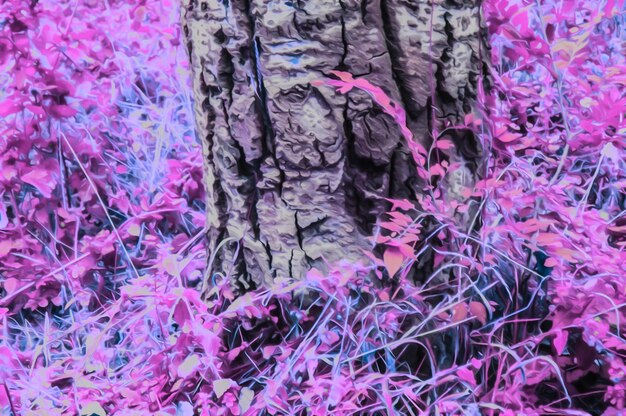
[[444, 144], [8, 107], [467, 376], [476, 363], [437, 170], [391, 226], [10, 285], [4, 396], [40, 179], [459, 312], [35, 109], [63, 111], [549, 238], [478, 310], [393, 259], [6, 246], [560, 341], [568, 254], [401, 203], [508, 137], [550, 262]]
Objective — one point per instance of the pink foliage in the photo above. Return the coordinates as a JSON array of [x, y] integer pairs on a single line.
[[101, 200], [550, 250], [102, 255]]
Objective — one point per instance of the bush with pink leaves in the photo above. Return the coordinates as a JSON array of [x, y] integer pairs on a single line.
[[101, 206]]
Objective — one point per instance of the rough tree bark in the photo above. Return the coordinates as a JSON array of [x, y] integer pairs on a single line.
[[297, 174]]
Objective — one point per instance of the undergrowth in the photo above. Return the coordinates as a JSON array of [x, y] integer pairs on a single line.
[[102, 255]]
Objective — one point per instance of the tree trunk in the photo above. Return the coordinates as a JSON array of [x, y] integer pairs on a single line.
[[297, 174]]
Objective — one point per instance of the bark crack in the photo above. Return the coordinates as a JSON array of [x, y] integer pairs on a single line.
[[269, 136], [342, 62], [391, 42], [298, 231], [355, 200], [270, 257]]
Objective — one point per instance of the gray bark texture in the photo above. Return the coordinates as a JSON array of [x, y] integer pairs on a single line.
[[296, 174]]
